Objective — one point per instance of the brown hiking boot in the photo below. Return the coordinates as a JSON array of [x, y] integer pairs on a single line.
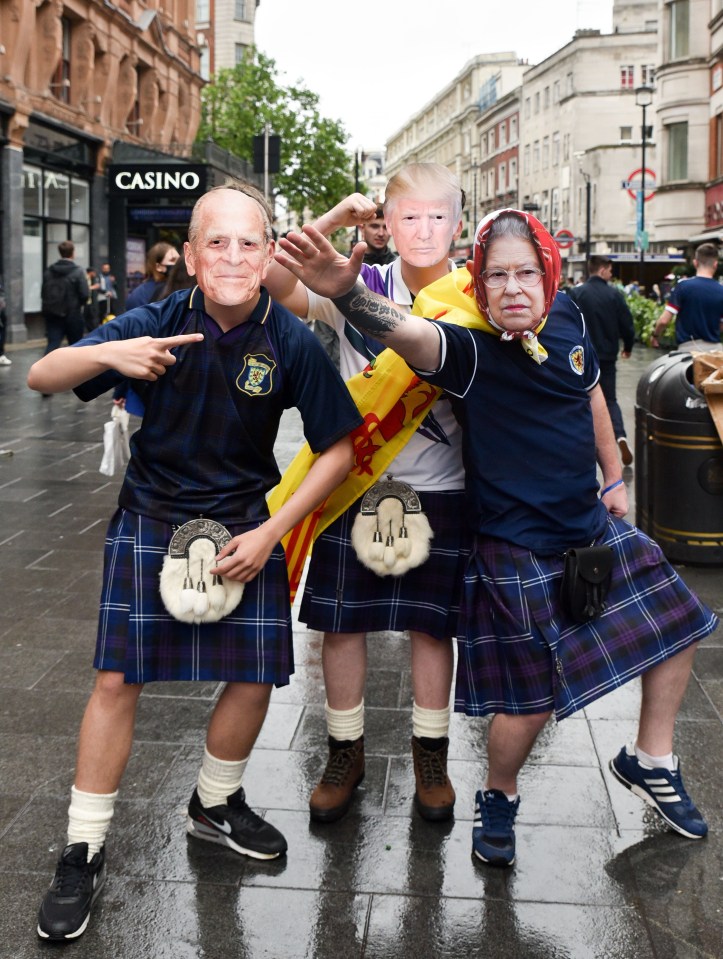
[[434, 797], [344, 771]]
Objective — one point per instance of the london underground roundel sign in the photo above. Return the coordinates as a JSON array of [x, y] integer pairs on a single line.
[[564, 239]]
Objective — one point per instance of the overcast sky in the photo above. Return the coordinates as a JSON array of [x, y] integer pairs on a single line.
[[375, 64]]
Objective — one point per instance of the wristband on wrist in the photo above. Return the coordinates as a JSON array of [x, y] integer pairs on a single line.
[[611, 487]]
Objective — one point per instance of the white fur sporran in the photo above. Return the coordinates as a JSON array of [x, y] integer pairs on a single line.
[[391, 534], [188, 592]]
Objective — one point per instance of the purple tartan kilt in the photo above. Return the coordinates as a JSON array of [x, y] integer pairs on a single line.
[[343, 596], [136, 636], [520, 654]]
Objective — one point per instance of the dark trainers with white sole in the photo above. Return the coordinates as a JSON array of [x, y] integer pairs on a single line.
[[65, 910], [235, 825], [493, 833], [662, 789]]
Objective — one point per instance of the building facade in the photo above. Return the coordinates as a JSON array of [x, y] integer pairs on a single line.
[[78, 79], [224, 31]]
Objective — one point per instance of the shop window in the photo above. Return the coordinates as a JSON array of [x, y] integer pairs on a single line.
[[56, 207]]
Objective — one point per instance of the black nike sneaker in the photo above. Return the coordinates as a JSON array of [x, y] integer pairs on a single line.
[[65, 910], [236, 826]]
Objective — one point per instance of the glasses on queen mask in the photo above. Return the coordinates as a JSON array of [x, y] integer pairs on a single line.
[[525, 276]]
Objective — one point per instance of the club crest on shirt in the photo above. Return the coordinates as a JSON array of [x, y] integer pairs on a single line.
[[256, 377], [577, 360]]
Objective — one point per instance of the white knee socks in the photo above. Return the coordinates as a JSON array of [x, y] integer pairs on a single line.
[[431, 723], [218, 779], [345, 724], [89, 816]]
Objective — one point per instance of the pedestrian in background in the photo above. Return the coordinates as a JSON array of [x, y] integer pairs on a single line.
[[696, 305], [4, 359], [608, 320], [63, 295], [107, 293], [161, 257], [375, 234]]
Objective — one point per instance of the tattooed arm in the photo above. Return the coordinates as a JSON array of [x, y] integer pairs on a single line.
[[311, 258]]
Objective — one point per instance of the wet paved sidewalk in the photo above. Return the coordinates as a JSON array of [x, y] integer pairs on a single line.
[[597, 875]]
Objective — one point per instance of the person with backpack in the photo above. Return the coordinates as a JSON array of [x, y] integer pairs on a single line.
[[63, 296]]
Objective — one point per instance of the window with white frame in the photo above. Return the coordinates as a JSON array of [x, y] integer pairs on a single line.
[[535, 156], [545, 152], [240, 10], [627, 76], [546, 98], [677, 134], [203, 11], [513, 129], [537, 102], [556, 148], [503, 133], [679, 29], [527, 108], [647, 74], [626, 134], [502, 177], [526, 159]]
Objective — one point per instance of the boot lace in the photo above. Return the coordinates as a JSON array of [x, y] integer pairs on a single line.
[[432, 770], [338, 766], [69, 878]]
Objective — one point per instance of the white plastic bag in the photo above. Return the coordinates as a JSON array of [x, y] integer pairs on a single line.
[[116, 448]]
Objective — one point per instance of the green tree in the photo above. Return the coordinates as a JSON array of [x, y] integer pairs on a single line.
[[315, 166]]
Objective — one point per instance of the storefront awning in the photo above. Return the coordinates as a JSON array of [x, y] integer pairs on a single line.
[[710, 236]]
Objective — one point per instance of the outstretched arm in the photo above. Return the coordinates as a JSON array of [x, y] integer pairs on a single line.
[[140, 358], [311, 258], [283, 286]]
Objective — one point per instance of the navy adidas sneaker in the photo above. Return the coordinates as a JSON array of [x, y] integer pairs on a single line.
[[662, 789], [493, 834]]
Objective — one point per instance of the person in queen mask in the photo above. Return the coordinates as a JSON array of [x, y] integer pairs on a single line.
[[516, 355]]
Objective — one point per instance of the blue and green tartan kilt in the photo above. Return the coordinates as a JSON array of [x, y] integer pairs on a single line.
[[139, 638], [343, 596], [519, 653]]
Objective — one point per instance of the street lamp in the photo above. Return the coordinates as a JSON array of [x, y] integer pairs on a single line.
[[643, 99]]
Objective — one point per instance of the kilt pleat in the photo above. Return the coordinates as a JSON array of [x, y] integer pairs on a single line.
[[343, 596], [138, 637], [519, 653]]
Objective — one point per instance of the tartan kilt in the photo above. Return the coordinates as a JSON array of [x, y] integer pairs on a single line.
[[343, 596], [139, 638], [519, 653]]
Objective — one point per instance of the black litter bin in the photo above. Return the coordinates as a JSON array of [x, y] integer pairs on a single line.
[[678, 464]]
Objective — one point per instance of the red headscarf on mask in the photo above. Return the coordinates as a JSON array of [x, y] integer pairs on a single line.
[[547, 251]]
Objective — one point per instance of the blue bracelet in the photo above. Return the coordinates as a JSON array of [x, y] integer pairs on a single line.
[[611, 487]]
